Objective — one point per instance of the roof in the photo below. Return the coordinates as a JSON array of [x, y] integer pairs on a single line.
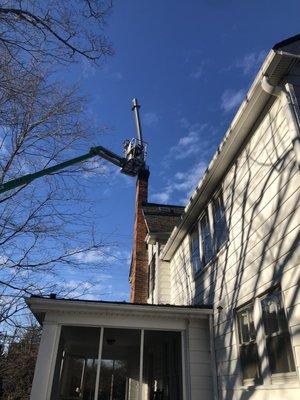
[[40, 305], [280, 60], [286, 42], [161, 218]]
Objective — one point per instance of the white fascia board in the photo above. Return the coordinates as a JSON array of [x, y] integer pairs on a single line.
[[274, 66], [41, 305]]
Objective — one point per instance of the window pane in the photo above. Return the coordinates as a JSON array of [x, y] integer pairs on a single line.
[[221, 230], [246, 325], [271, 305], [151, 277], [162, 372], [120, 361], [195, 254], [280, 354], [249, 361], [206, 240], [76, 364]]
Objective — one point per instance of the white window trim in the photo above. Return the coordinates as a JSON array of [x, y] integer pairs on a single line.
[[268, 379]]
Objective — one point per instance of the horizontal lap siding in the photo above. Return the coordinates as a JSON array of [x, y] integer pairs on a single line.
[[163, 273], [262, 205], [200, 362]]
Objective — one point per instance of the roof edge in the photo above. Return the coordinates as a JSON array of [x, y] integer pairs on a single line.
[[268, 67], [286, 42], [41, 305]]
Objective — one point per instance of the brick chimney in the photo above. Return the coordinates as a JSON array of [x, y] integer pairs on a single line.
[[139, 262]]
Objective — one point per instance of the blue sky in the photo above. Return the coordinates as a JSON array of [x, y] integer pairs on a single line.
[[190, 64]]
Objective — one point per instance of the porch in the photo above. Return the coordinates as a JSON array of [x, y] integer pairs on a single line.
[[122, 351]]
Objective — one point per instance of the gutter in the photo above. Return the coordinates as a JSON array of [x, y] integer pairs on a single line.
[[289, 102]]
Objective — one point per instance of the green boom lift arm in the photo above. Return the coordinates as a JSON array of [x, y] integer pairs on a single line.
[[132, 162], [129, 165]]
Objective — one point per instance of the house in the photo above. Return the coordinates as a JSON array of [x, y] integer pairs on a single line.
[[215, 299]]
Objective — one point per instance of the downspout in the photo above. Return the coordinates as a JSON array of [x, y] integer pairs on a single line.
[[213, 358], [288, 102]]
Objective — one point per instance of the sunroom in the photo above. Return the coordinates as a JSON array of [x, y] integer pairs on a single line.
[[94, 350]]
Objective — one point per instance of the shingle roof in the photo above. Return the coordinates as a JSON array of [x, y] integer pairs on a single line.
[[161, 218]]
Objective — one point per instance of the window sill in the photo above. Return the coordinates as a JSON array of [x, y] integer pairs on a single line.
[[284, 378], [288, 380]]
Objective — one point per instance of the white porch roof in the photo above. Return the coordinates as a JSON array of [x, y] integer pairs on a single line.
[[59, 309]]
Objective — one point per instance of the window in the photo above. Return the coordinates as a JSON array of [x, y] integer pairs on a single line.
[[151, 277], [275, 345], [206, 239], [278, 340], [194, 245], [220, 226], [247, 343], [203, 252]]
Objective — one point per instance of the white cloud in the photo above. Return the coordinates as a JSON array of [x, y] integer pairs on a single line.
[[161, 197], [107, 255], [251, 61], [118, 76], [90, 290], [182, 184], [184, 123], [194, 142], [150, 119], [197, 73], [231, 99]]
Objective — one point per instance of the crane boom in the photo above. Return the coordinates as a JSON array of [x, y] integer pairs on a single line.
[[94, 151], [132, 162]]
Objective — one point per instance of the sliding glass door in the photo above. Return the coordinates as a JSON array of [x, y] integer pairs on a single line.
[[117, 364]]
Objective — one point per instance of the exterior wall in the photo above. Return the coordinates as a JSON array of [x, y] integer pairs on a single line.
[[161, 293], [262, 197], [201, 382], [163, 284]]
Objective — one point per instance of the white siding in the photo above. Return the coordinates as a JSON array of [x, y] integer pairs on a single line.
[[200, 362], [163, 282], [262, 201]]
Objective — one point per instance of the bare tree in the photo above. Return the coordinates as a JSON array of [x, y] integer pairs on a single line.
[[46, 225], [56, 30]]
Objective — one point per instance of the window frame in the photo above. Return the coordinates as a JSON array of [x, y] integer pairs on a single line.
[[267, 378]]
